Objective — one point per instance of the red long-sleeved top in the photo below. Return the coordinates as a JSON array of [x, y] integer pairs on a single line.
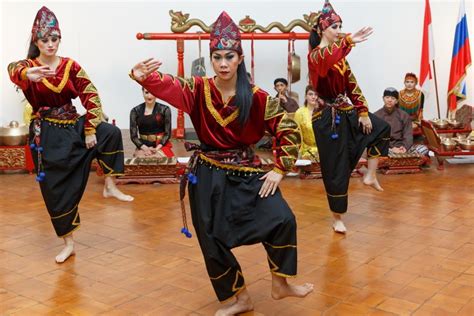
[[331, 75], [69, 82]]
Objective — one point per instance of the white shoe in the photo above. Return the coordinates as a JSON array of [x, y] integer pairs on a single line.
[[339, 227]]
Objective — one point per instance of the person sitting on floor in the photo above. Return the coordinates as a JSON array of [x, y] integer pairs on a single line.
[[401, 137], [150, 128], [411, 100]]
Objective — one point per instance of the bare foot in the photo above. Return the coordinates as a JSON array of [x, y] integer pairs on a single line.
[[281, 289], [111, 190], [373, 182], [67, 251], [363, 170], [242, 304], [116, 193], [339, 227]]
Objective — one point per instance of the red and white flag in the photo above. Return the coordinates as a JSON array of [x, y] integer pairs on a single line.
[[427, 51]]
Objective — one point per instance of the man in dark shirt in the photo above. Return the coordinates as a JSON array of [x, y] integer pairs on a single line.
[[288, 103], [401, 136]]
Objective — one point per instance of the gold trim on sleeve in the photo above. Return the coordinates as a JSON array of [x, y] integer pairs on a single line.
[[273, 108], [23, 74], [89, 131], [278, 170]]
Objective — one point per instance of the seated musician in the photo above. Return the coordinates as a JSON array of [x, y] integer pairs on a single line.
[[401, 136], [287, 103], [411, 100], [150, 128], [303, 117]]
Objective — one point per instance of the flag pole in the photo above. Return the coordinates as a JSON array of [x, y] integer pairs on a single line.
[[436, 89]]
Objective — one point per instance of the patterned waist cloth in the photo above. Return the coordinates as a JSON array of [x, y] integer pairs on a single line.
[[341, 102], [65, 114]]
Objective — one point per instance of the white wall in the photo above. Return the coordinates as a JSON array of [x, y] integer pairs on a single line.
[[100, 35]]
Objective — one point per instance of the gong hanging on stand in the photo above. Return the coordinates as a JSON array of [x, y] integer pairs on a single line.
[[294, 68]]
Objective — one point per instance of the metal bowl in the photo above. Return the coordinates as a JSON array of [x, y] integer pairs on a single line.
[[460, 138], [455, 124], [467, 145], [440, 123], [448, 144], [14, 134]]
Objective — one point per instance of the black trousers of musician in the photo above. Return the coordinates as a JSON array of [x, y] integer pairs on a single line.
[[66, 163], [338, 157], [227, 212]]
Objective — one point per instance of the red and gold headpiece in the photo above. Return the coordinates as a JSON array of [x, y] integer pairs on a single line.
[[45, 24], [328, 16], [411, 75], [225, 34]]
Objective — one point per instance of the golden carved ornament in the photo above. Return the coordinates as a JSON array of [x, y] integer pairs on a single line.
[[180, 23]]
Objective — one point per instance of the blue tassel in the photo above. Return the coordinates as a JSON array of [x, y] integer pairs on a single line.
[[32, 145], [192, 178], [42, 174], [338, 117], [335, 136], [39, 178], [40, 149], [186, 232], [337, 121]]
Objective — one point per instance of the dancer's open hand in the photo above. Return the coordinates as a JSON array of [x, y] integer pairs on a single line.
[[362, 34], [272, 180], [91, 141], [37, 74], [141, 70], [366, 124]]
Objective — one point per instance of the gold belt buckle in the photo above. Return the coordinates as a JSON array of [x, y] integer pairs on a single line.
[[147, 137], [151, 138]]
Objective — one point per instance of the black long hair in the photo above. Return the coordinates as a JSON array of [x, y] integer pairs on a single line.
[[314, 38], [33, 50], [243, 93]]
